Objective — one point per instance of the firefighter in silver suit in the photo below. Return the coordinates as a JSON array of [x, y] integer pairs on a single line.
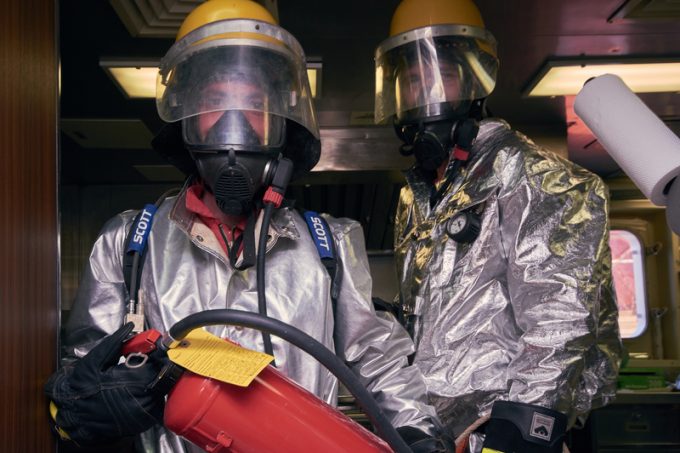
[[236, 85], [501, 246]]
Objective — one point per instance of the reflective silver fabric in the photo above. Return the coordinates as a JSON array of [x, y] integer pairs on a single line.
[[527, 311], [186, 271]]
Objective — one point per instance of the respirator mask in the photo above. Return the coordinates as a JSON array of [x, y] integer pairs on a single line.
[[236, 153], [430, 141]]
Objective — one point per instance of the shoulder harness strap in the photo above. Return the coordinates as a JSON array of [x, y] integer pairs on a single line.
[[135, 244], [325, 245], [135, 240]]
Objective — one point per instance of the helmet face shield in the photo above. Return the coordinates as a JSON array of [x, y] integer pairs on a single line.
[[433, 71], [236, 65]]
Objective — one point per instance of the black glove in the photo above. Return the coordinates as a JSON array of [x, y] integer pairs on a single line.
[[99, 401], [524, 428], [421, 442]]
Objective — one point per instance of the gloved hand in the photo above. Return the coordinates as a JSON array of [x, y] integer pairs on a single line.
[[524, 428], [100, 401], [421, 442]]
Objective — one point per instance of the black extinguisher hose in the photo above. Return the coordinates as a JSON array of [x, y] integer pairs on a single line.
[[282, 174], [308, 344], [261, 297]]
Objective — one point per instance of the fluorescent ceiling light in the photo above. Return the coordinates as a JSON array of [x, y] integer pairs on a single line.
[[314, 76], [136, 82], [137, 79], [566, 77]]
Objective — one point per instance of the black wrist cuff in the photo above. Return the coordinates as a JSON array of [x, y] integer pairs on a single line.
[[536, 426]]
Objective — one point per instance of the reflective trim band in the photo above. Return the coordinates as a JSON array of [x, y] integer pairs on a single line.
[[53, 413]]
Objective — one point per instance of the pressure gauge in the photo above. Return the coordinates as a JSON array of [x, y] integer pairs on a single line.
[[464, 227]]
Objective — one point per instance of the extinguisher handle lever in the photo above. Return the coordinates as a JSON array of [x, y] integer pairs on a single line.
[[142, 343], [139, 347]]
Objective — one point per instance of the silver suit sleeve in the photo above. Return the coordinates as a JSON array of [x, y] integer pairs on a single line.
[[376, 346], [559, 282], [99, 307]]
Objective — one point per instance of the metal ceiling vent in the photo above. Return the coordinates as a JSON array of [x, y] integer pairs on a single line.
[[153, 18], [162, 18], [639, 10]]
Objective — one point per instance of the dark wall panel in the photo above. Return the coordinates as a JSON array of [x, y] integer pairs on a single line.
[[28, 221]]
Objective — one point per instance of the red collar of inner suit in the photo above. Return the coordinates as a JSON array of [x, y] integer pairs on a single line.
[[196, 203]]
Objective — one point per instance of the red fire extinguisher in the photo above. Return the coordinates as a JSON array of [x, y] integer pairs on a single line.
[[273, 414]]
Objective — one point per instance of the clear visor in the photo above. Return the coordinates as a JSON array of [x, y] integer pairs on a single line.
[[247, 66], [414, 79]]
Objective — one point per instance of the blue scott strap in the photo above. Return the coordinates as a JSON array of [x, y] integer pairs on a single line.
[[325, 245], [141, 229], [320, 233]]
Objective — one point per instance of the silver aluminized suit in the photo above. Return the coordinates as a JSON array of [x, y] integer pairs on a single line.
[[527, 311], [186, 271]]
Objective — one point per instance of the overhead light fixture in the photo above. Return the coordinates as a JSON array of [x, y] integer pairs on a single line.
[[566, 77], [137, 79], [314, 76], [639, 10]]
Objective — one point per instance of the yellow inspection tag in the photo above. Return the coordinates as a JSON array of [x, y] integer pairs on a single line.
[[208, 355]]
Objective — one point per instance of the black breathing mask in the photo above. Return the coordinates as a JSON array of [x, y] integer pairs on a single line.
[[235, 177], [430, 139], [430, 143], [232, 162]]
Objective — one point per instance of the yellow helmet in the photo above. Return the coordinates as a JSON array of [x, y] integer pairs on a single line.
[[216, 10], [231, 55], [411, 14], [438, 59]]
